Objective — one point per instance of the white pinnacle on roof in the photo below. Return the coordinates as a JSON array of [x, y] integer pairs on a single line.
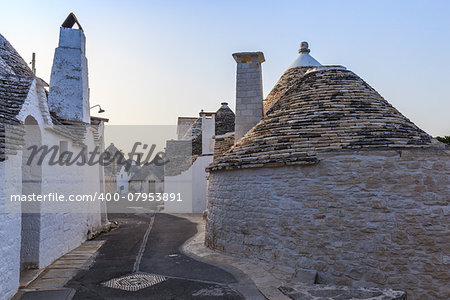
[[304, 59]]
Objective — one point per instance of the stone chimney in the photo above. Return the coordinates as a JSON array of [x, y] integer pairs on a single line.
[[208, 130], [69, 88], [249, 91]]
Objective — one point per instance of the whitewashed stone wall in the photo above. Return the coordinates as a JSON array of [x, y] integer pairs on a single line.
[[10, 235], [58, 233], [191, 184], [199, 183], [122, 181], [57, 227], [11, 184], [181, 183], [35, 104], [359, 219], [142, 186], [62, 232]]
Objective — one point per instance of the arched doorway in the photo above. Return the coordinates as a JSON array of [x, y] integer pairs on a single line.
[[31, 184]]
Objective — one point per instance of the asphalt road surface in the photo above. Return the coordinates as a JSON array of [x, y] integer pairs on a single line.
[[149, 244]]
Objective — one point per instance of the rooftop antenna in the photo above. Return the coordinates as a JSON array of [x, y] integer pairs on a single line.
[[33, 63]]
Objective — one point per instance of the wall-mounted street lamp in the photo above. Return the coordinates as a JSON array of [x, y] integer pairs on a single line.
[[100, 110]]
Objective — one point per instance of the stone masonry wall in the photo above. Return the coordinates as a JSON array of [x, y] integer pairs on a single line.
[[10, 235], [223, 143], [370, 219]]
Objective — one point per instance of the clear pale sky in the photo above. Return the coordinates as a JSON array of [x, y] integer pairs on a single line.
[[152, 61]]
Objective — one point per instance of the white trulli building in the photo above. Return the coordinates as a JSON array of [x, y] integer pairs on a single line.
[[34, 235], [191, 154], [332, 179]]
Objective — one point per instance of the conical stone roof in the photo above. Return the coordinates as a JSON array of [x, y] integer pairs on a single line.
[[11, 63], [224, 120], [297, 69], [15, 82], [321, 110], [289, 77]]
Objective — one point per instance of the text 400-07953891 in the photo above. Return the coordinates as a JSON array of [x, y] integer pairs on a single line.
[[141, 197]]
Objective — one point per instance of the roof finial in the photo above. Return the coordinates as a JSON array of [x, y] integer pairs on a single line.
[[304, 59], [304, 47]]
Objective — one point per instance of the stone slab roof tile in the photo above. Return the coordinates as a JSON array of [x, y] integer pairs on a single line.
[[73, 130], [11, 63], [15, 81], [13, 92], [224, 120]]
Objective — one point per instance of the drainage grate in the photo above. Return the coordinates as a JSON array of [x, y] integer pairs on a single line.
[[134, 282]]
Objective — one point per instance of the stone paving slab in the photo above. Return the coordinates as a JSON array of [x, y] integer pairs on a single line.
[[28, 276], [58, 294], [68, 265], [50, 282], [65, 260], [316, 292], [77, 256], [54, 273]]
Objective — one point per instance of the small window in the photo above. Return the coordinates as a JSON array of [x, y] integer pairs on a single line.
[[63, 147], [152, 186], [85, 154]]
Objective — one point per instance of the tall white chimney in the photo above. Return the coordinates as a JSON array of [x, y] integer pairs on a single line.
[[208, 131], [69, 87]]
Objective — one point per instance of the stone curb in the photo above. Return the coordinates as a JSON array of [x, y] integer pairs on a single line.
[[56, 275]]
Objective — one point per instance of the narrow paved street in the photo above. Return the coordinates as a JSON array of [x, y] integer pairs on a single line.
[[149, 245]]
